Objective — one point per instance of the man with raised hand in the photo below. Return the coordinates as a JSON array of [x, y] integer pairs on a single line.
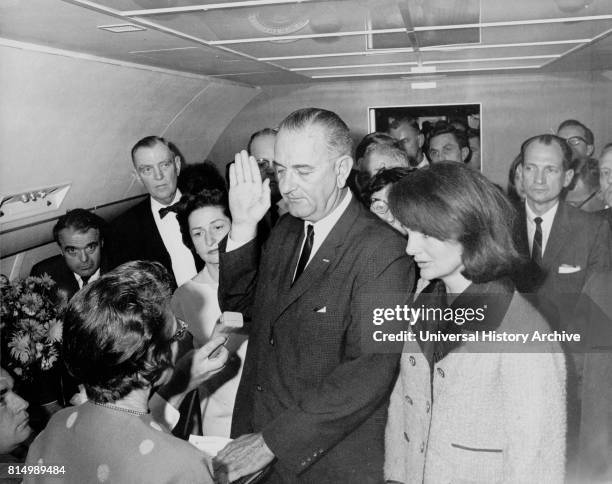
[[311, 401]]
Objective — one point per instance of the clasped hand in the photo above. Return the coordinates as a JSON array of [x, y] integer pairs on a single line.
[[245, 455]]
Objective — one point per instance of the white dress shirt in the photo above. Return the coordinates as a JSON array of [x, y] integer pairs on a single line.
[[547, 221], [183, 264], [322, 228], [93, 277]]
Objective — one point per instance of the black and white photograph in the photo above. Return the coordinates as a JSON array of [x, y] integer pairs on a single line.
[[306, 241]]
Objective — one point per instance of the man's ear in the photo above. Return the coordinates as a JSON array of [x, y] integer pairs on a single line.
[[569, 175], [421, 138], [343, 166], [177, 164], [465, 152], [590, 149]]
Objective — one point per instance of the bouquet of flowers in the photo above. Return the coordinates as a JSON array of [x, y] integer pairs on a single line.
[[30, 326]]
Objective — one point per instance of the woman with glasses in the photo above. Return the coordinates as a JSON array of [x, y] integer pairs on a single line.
[[464, 409], [120, 341], [376, 191], [205, 220]]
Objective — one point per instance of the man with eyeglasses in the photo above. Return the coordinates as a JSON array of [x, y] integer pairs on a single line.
[[578, 137], [149, 230], [80, 236]]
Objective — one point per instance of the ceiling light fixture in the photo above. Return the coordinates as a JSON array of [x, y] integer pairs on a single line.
[[121, 28]]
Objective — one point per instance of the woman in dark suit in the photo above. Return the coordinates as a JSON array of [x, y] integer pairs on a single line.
[[120, 341], [464, 409]]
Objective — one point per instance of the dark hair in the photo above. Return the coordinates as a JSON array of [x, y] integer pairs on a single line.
[[337, 134], [442, 127], [150, 142], [549, 139], [381, 179], [261, 132], [117, 331], [588, 134], [450, 201], [80, 220], [373, 138], [213, 197], [473, 133], [587, 170], [512, 190], [196, 177]]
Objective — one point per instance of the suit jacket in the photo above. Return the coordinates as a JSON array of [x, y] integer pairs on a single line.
[[307, 385], [66, 286], [578, 246], [134, 236], [65, 280], [485, 412]]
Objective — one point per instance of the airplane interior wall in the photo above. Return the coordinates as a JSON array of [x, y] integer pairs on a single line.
[[514, 107], [72, 118]]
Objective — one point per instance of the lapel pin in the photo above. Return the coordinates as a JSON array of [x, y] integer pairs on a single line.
[[326, 260]]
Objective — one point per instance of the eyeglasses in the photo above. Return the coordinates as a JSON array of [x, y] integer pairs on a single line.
[[575, 140], [180, 330], [379, 206]]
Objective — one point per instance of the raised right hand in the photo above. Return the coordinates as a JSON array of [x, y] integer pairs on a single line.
[[249, 197]]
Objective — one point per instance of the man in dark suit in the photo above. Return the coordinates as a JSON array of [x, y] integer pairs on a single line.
[[565, 244], [605, 181], [311, 398], [80, 236], [149, 230]]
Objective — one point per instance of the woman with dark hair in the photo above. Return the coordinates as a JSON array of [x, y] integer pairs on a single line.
[[120, 341], [463, 409], [205, 220]]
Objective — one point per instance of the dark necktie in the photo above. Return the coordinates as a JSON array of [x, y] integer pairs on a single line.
[[165, 211], [305, 255], [85, 280], [536, 249]]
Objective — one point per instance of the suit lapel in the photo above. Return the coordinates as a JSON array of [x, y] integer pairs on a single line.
[[557, 237], [320, 263]]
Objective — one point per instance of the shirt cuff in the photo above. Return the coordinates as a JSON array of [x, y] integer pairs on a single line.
[[162, 412], [233, 245]]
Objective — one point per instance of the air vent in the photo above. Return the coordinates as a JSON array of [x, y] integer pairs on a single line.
[[121, 28]]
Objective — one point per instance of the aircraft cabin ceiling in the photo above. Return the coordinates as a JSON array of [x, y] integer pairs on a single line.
[[261, 42]]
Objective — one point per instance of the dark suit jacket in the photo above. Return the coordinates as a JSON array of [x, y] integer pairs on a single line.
[[578, 240], [134, 236], [65, 280], [307, 384], [66, 286]]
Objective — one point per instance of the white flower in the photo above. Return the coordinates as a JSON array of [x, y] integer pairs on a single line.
[[20, 347], [55, 331]]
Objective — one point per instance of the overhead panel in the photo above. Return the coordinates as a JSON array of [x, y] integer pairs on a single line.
[[311, 38]]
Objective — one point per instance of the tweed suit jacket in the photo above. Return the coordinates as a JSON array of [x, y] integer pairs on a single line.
[[307, 385], [482, 414], [134, 236]]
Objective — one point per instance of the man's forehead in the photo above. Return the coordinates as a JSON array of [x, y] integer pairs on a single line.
[[301, 145], [153, 154], [444, 139], [572, 130], [538, 151], [404, 130], [74, 237]]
